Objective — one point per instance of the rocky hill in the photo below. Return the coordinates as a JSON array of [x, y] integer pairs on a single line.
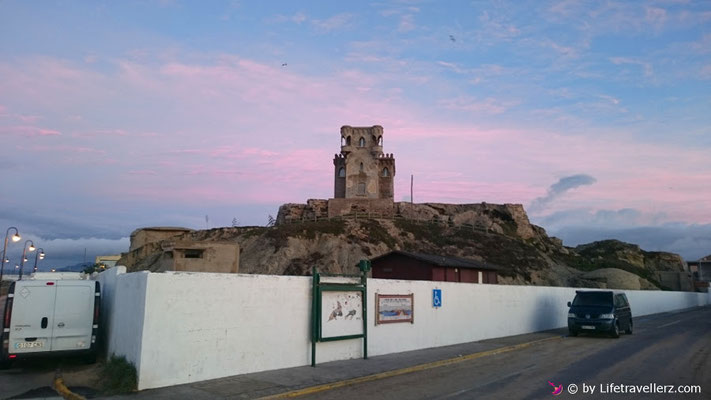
[[498, 234]]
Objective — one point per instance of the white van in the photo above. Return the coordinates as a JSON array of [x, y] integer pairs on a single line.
[[57, 317]]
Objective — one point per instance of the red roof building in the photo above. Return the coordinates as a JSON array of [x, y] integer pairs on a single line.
[[427, 267]]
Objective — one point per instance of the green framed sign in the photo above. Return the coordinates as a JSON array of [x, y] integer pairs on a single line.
[[338, 310]]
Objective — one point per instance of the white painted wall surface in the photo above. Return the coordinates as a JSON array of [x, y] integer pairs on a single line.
[[127, 316], [107, 280], [202, 326]]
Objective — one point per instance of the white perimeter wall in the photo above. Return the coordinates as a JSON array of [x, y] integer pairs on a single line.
[[186, 327]]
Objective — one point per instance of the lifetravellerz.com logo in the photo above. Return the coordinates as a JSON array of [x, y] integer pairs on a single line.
[[556, 389]]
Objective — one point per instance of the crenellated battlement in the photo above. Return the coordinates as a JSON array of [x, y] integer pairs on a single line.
[[362, 171]]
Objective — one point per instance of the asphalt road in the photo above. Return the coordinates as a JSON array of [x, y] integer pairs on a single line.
[[666, 349]]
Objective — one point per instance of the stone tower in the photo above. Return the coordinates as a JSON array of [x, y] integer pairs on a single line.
[[362, 171]]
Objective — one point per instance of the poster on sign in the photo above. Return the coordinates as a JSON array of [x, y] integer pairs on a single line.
[[390, 308], [341, 314]]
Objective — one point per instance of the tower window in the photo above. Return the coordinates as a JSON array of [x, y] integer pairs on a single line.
[[342, 172], [343, 141], [380, 140], [386, 172], [361, 142], [348, 141], [361, 167]]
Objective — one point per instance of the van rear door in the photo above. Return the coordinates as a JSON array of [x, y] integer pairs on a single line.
[[32, 317], [73, 315]]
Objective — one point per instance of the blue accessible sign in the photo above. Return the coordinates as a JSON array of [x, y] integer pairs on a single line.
[[436, 298]]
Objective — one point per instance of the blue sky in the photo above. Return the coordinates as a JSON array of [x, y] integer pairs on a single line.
[[118, 115]]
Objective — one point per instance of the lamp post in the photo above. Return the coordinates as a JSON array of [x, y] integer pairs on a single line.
[[24, 252], [15, 238], [40, 256]]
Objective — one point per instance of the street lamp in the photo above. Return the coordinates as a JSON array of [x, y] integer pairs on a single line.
[[15, 238], [24, 252], [40, 256]]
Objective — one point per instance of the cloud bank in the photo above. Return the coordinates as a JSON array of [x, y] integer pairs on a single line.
[[559, 188]]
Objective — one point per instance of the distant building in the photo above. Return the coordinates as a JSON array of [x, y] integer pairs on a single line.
[[701, 273], [362, 170], [107, 261], [427, 267], [363, 178], [161, 249], [199, 256]]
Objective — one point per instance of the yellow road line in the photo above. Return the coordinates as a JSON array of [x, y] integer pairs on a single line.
[[403, 371], [64, 391]]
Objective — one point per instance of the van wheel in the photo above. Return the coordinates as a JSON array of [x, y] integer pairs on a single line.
[[5, 364], [90, 358], [615, 330], [629, 328], [572, 332]]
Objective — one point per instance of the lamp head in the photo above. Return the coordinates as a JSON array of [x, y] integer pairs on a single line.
[[16, 237], [32, 247]]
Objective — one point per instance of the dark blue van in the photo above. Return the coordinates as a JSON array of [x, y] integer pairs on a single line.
[[599, 311]]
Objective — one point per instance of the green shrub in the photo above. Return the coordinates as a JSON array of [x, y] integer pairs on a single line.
[[118, 376]]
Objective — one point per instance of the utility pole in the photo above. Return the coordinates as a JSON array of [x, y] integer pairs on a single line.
[[412, 181]]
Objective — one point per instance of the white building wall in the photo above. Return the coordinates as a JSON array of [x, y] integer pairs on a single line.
[[186, 327], [107, 281], [123, 309]]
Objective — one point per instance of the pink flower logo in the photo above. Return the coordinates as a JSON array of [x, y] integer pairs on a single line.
[[557, 389]]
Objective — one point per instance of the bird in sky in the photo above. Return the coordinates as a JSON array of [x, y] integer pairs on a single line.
[[452, 38], [283, 64]]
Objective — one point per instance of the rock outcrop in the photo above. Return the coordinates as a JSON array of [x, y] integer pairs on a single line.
[[497, 234]]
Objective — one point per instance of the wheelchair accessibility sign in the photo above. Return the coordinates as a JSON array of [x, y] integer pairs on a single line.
[[436, 298]]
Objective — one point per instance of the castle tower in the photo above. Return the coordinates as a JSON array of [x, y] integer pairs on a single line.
[[362, 171]]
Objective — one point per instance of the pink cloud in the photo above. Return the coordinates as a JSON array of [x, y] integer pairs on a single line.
[[236, 130], [26, 130]]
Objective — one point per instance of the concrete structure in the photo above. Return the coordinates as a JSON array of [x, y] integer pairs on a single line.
[[675, 280], [701, 273], [200, 256], [107, 261], [362, 170], [427, 267], [143, 236], [187, 327]]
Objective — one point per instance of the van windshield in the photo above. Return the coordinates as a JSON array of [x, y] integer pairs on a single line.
[[599, 299]]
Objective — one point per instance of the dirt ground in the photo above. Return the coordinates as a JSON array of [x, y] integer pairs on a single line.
[[34, 377]]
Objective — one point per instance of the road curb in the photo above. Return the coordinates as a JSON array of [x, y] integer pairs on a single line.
[[403, 371]]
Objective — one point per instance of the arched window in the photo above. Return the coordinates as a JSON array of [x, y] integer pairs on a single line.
[[386, 172], [361, 142], [348, 141], [380, 140], [361, 167], [343, 141], [342, 172]]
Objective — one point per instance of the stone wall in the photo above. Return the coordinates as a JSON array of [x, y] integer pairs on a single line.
[[374, 207], [509, 219]]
